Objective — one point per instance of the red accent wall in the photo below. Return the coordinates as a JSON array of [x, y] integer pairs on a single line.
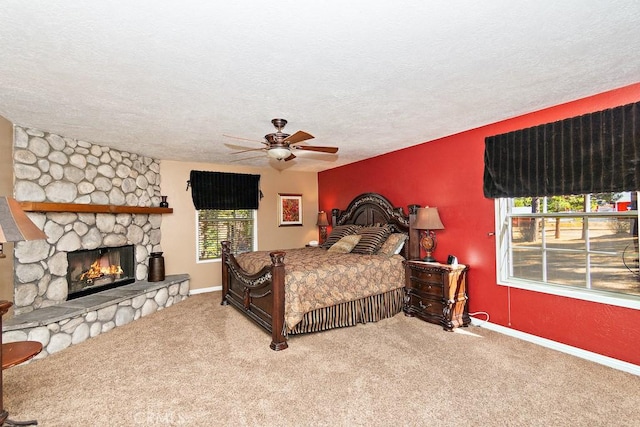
[[448, 173]]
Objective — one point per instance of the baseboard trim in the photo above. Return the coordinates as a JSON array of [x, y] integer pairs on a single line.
[[205, 290], [564, 348]]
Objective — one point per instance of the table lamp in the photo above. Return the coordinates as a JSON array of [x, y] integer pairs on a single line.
[[15, 225], [428, 220], [323, 222]]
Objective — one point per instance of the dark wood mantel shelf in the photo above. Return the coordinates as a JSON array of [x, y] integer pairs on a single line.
[[77, 207]]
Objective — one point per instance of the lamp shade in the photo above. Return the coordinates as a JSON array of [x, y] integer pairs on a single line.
[[15, 225], [322, 219], [428, 219]]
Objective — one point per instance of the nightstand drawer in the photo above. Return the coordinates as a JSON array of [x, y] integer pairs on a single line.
[[429, 276], [429, 288], [424, 305]]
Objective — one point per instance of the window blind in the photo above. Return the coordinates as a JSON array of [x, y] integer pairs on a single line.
[[215, 226], [593, 153], [221, 190]]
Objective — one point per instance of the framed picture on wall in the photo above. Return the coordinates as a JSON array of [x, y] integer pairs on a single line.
[[289, 210]]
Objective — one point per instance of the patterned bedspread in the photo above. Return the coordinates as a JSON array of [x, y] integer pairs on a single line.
[[315, 278]]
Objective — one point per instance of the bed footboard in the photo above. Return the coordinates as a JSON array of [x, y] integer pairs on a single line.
[[259, 296]]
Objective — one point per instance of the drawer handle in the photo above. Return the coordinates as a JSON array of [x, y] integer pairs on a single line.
[[424, 306]]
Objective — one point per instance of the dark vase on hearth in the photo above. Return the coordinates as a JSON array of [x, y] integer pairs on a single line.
[[156, 267], [163, 203]]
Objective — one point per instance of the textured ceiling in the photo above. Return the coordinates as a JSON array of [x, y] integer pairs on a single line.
[[168, 78]]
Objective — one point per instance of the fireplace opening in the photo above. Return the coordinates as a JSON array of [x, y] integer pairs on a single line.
[[94, 270]]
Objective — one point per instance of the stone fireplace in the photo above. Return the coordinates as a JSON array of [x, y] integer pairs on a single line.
[[98, 208], [94, 270], [53, 168]]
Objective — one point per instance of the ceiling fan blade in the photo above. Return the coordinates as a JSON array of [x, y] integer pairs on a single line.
[[331, 150], [242, 149], [297, 137], [244, 139], [291, 157]]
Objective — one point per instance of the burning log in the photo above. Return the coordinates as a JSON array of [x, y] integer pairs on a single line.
[[96, 271]]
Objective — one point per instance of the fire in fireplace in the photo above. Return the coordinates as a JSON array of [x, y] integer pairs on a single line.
[[95, 270]]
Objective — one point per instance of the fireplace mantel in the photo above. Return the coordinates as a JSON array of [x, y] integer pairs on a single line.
[[87, 208]]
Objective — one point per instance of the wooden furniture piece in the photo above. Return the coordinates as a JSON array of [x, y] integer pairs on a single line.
[[261, 296], [87, 208], [437, 293], [13, 354]]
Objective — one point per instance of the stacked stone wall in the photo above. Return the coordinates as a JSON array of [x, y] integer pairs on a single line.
[[52, 168]]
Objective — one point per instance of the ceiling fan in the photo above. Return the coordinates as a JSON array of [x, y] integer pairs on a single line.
[[279, 145]]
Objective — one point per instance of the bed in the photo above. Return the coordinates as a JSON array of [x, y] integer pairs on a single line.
[[313, 289]]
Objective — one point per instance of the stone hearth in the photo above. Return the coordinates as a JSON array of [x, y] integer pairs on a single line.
[[73, 322]]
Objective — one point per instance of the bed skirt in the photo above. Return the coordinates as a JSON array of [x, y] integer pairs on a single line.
[[368, 309]]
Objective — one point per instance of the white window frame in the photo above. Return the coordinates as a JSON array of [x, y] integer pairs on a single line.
[[197, 228], [503, 225]]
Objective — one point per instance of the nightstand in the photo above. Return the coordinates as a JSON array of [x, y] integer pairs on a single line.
[[437, 293]]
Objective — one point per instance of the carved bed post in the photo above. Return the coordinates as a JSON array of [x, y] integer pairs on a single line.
[[278, 340], [226, 250], [335, 213], [414, 234]]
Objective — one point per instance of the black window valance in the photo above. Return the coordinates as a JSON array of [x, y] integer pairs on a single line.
[[221, 190], [593, 153]]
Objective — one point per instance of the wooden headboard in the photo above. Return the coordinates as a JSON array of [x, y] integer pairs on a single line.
[[372, 209]]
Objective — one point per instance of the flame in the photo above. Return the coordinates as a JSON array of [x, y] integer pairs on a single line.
[[96, 270]]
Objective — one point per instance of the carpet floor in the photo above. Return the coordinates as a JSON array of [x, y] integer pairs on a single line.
[[201, 364]]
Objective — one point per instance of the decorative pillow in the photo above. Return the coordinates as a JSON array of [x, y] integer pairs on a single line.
[[393, 245], [345, 245], [372, 239], [337, 233]]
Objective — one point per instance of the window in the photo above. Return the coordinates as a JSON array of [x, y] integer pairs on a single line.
[[215, 226], [586, 244]]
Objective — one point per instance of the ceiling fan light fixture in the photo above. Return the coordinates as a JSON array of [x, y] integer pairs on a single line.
[[279, 153], [280, 146]]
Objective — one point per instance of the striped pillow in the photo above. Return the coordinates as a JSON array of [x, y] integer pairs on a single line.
[[338, 232], [372, 239]]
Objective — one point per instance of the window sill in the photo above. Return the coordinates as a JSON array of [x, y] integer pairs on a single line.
[[208, 261], [601, 297]]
